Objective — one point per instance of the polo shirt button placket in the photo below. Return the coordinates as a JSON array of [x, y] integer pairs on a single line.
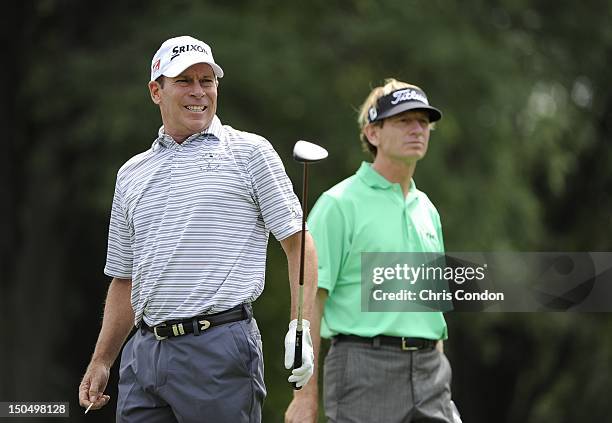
[[397, 189], [175, 150]]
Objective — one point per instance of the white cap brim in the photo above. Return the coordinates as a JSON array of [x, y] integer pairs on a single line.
[[183, 62]]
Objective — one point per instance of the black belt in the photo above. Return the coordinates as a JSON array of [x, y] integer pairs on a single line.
[[406, 344], [197, 324]]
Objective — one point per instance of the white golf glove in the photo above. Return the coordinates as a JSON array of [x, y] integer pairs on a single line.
[[302, 374]]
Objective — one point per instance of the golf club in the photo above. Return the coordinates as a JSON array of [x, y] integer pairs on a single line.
[[303, 152]]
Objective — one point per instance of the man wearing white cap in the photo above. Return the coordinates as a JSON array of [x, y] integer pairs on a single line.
[[187, 247]]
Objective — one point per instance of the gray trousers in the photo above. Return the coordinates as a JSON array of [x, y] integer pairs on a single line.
[[214, 377], [364, 384]]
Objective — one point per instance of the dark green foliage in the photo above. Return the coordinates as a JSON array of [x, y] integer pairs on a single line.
[[521, 161]]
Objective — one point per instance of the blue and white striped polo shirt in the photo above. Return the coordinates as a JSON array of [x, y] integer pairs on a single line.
[[190, 222]]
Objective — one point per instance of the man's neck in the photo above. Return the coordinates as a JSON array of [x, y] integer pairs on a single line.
[[179, 138], [397, 172]]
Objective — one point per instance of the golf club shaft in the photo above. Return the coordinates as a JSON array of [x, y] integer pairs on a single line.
[[297, 358]]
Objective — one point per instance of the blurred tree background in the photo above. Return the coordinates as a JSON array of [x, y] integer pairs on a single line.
[[520, 162]]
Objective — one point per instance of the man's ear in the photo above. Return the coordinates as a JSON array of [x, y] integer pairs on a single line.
[[371, 132], [154, 89]]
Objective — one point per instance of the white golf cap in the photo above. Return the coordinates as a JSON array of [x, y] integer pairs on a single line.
[[177, 54]]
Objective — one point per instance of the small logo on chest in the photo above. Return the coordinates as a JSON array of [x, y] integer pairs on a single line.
[[209, 162]]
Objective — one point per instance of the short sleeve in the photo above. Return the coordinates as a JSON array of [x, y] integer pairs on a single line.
[[279, 206], [119, 256], [328, 227]]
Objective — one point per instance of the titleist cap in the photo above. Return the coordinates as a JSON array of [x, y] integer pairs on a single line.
[[177, 54], [400, 101]]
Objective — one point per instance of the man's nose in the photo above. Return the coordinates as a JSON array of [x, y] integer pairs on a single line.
[[415, 126], [197, 90]]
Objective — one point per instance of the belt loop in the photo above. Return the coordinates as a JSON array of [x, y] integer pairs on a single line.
[[196, 327], [247, 309], [376, 342]]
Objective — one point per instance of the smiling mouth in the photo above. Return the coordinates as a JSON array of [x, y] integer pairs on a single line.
[[197, 109]]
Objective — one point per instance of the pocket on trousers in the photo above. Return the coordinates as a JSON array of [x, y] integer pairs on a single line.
[[127, 369], [255, 348], [333, 380], [255, 364], [241, 347]]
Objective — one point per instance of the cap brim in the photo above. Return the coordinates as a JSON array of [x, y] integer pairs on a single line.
[[434, 114], [183, 63]]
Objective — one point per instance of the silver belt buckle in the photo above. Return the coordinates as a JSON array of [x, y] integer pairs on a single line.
[[406, 347], [158, 337], [205, 324]]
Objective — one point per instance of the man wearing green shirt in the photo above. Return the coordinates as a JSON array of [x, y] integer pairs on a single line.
[[382, 366]]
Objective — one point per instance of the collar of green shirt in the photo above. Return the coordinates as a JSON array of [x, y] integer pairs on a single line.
[[375, 180]]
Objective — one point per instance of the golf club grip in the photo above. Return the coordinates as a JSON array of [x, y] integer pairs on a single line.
[[297, 358]]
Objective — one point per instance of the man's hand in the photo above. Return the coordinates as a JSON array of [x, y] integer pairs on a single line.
[[117, 323], [303, 408], [92, 386], [302, 374]]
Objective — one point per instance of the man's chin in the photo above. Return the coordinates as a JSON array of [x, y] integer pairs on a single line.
[[415, 155], [199, 125]]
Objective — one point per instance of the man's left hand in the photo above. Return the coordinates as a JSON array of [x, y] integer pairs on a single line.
[[303, 408], [302, 374]]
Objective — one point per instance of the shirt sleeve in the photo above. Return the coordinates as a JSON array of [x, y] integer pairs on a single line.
[[279, 206], [328, 227], [119, 256]]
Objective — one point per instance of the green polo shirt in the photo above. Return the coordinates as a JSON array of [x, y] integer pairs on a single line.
[[367, 213]]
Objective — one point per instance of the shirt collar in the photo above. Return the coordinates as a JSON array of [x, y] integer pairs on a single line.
[[215, 128], [376, 180]]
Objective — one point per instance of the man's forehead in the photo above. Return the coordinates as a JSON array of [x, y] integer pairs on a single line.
[[199, 70], [411, 113]]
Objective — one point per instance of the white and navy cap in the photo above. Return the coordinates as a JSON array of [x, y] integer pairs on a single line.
[[400, 101], [177, 54]]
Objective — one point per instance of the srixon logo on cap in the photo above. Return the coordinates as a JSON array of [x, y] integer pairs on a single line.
[[408, 94], [189, 47]]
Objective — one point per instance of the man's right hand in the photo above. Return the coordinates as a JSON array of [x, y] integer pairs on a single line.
[[93, 385], [117, 323], [303, 408]]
